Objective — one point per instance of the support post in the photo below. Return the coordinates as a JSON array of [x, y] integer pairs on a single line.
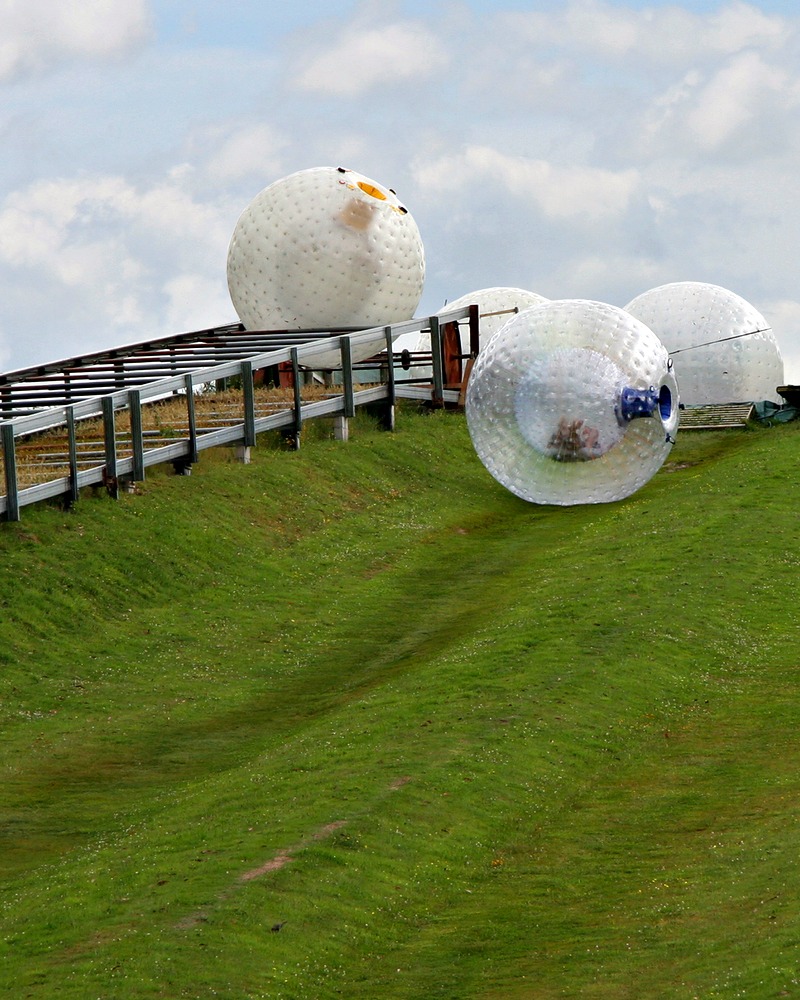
[[436, 361], [193, 456], [474, 349], [341, 427], [347, 376], [474, 331], [10, 462], [248, 394], [137, 438], [298, 401], [110, 439], [72, 446], [387, 422]]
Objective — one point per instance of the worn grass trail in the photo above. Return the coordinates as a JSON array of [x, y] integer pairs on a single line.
[[461, 746]]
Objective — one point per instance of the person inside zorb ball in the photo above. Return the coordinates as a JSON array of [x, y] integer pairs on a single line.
[[572, 402], [325, 247]]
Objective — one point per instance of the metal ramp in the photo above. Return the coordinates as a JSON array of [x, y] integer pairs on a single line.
[[72, 380], [103, 418]]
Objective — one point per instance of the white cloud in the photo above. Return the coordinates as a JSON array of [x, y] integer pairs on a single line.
[[745, 108], [366, 57], [738, 26], [195, 303], [783, 315], [605, 276], [658, 34], [36, 35], [671, 103], [134, 260], [736, 96], [558, 192], [251, 149]]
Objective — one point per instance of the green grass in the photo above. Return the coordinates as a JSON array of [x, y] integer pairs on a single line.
[[463, 746]]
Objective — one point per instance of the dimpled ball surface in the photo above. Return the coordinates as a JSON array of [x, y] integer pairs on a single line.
[[325, 247], [543, 398], [498, 301], [730, 368]]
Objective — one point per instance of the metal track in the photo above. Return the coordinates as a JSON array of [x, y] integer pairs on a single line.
[[61, 383]]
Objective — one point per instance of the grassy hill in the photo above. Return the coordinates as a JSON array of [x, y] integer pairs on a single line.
[[356, 722]]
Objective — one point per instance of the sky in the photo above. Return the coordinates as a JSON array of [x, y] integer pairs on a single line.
[[585, 149]]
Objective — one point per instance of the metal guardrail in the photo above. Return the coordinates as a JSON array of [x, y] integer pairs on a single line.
[[104, 461]]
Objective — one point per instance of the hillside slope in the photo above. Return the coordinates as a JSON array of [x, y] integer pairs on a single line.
[[357, 722]]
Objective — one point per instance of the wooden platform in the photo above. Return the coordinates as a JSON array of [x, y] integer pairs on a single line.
[[715, 416]]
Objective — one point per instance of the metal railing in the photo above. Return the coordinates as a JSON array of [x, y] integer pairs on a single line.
[[113, 436]]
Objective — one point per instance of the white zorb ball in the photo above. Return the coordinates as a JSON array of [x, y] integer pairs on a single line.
[[496, 306], [572, 402], [325, 247], [723, 349]]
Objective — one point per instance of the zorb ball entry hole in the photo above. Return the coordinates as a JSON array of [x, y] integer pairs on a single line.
[[561, 405]]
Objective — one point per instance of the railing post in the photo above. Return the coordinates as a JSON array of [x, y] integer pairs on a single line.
[[436, 362], [474, 331], [72, 446], [341, 422], [391, 397], [298, 399], [193, 456], [347, 376], [137, 438], [110, 439], [474, 349], [248, 393], [10, 462]]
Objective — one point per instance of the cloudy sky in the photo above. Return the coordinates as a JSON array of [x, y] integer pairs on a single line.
[[579, 149]]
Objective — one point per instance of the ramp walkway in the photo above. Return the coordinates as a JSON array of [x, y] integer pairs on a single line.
[[104, 418], [716, 416]]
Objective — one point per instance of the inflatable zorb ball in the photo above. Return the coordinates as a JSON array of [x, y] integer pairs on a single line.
[[572, 402], [723, 349], [496, 306], [325, 248]]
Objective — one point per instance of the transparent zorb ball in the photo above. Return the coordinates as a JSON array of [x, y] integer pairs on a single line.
[[723, 349], [572, 402], [325, 247]]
